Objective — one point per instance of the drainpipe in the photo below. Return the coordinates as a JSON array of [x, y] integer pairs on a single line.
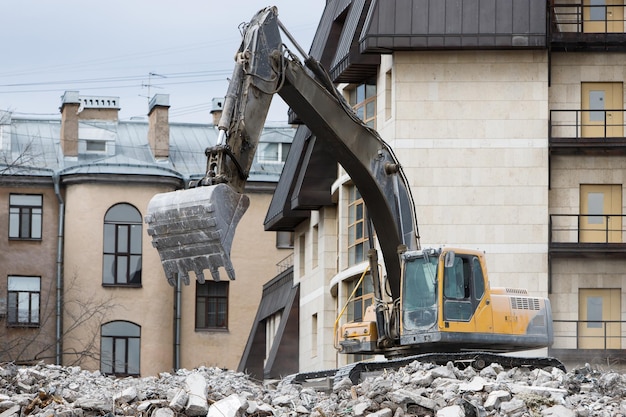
[[177, 319], [59, 274], [178, 306]]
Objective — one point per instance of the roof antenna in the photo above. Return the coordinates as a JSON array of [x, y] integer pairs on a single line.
[[149, 84]]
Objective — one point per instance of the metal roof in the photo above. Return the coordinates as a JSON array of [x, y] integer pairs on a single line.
[[35, 146]]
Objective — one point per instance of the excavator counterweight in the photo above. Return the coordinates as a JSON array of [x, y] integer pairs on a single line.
[[193, 230]]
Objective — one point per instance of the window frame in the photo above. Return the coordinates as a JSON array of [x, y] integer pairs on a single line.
[[357, 232], [363, 297], [362, 98], [281, 152], [20, 212], [122, 240], [95, 146], [15, 297], [131, 341], [205, 300]]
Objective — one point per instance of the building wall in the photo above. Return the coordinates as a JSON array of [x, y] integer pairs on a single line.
[[571, 275], [30, 258], [150, 306], [255, 258], [318, 304], [470, 129], [570, 69]]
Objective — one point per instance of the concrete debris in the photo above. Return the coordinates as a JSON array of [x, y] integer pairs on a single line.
[[418, 389]]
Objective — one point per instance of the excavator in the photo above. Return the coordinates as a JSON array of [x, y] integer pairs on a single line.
[[436, 303]]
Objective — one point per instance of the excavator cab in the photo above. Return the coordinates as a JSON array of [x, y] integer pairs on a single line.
[[447, 305]]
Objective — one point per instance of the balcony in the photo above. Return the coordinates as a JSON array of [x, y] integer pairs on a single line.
[[584, 341], [575, 26], [587, 235], [588, 132]]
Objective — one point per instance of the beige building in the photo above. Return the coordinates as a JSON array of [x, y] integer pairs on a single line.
[[508, 120], [82, 284]]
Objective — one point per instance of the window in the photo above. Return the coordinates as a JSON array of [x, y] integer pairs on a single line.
[[357, 230], [315, 246], [25, 214], [212, 305], [597, 10], [314, 335], [388, 91], [273, 152], [458, 305], [95, 146], [363, 298], [594, 312], [362, 98], [24, 295], [479, 279], [122, 246], [284, 240], [419, 293], [120, 348], [271, 328], [301, 254]]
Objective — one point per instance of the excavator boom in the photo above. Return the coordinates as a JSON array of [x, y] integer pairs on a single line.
[[264, 67]]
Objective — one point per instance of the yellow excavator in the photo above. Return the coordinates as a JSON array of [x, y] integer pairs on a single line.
[[428, 301]]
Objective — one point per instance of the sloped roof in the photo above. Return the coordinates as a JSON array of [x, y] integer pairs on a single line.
[[33, 147]]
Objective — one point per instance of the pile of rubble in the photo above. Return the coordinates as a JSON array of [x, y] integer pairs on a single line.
[[418, 389]]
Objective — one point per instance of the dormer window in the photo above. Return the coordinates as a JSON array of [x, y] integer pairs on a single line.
[[95, 146], [97, 137], [273, 152]]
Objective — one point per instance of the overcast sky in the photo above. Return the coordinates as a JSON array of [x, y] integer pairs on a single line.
[[110, 48]]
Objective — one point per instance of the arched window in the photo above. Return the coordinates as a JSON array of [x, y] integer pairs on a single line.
[[120, 348], [122, 246]]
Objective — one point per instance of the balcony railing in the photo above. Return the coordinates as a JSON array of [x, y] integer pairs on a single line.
[[582, 18], [587, 228], [588, 334], [587, 130], [285, 263], [587, 124], [582, 26]]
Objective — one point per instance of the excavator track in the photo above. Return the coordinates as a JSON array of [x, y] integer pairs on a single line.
[[356, 372]]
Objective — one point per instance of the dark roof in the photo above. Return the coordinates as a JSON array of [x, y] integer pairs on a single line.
[[353, 33], [394, 25]]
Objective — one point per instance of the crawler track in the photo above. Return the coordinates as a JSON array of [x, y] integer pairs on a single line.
[[478, 360]]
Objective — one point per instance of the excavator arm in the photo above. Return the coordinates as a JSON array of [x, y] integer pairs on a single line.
[[265, 67]]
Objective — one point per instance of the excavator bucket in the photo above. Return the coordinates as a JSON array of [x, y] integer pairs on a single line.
[[193, 230]]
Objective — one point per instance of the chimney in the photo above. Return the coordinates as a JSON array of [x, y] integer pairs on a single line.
[[69, 123], [98, 108], [217, 106], [75, 108], [159, 127]]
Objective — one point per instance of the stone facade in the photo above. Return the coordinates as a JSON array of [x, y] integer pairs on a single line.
[[473, 128]]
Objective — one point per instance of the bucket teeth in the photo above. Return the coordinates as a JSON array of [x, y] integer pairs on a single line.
[[193, 230]]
